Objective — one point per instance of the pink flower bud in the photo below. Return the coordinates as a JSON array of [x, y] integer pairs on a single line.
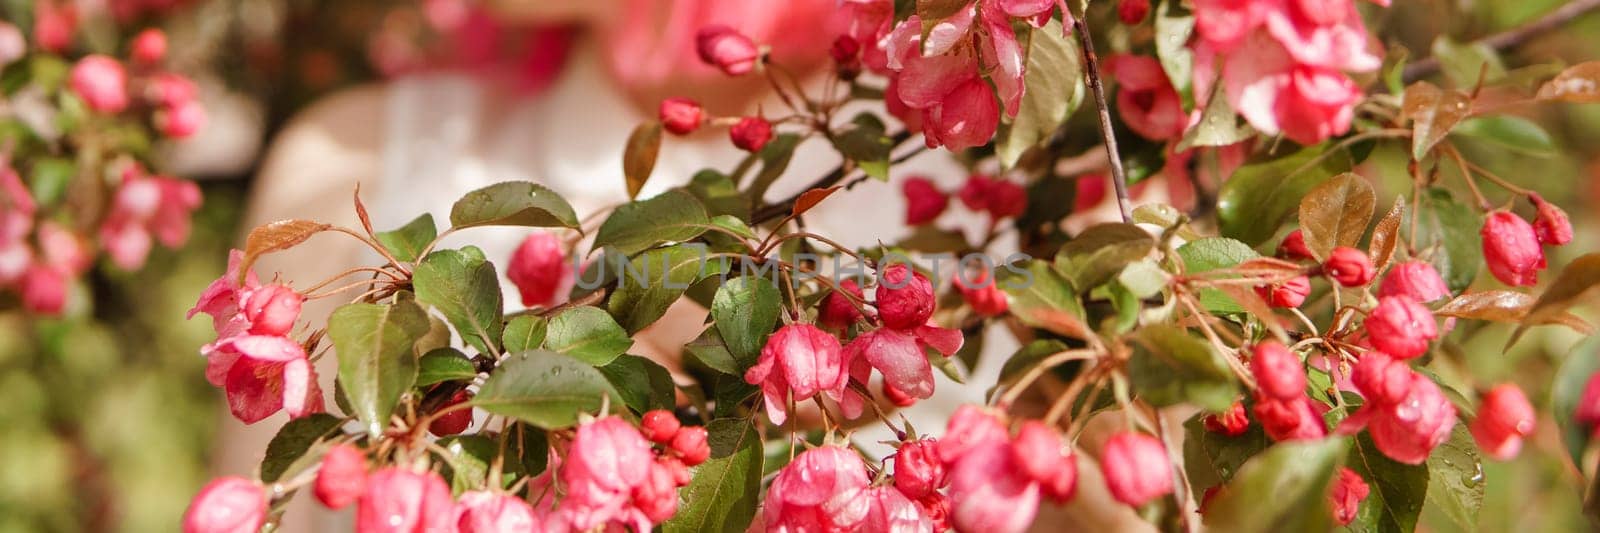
[[924, 201], [1417, 279], [149, 47], [1294, 247], [1038, 451], [1409, 430], [975, 192], [690, 445], [918, 470], [1232, 422], [181, 121], [453, 422], [1132, 12], [904, 297], [1401, 327], [1346, 496], [820, 490], [482, 511], [1290, 420], [657, 497], [681, 116], [969, 427], [751, 133], [227, 505], [798, 361], [272, 310], [1587, 411], [727, 49], [1091, 191], [660, 426], [540, 270], [44, 290], [1349, 266], [1381, 379], [170, 90], [1511, 249], [1061, 487], [1007, 199], [989, 492], [62, 249], [1289, 293], [889, 510], [1136, 468], [846, 53], [1504, 419], [1551, 225], [836, 311], [398, 499], [101, 83], [342, 477], [898, 397], [983, 294], [53, 25], [1279, 373]]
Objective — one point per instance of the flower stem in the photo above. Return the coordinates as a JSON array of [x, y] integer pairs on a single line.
[[1091, 66]]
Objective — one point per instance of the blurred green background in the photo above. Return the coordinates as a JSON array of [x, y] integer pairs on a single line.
[[108, 419]]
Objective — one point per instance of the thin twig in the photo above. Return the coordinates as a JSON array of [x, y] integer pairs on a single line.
[[1510, 38], [1091, 66], [830, 179]]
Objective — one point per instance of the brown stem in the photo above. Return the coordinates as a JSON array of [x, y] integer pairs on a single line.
[[1511, 38], [1091, 66]]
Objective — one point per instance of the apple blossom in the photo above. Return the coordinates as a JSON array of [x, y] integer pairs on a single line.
[[1400, 326], [1504, 419], [751, 134], [1415, 279], [342, 478], [680, 116], [924, 200], [227, 505], [1511, 249], [1348, 491], [540, 270], [1349, 266], [1136, 468]]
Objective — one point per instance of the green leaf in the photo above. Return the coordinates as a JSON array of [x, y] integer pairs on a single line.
[[587, 334], [530, 446], [468, 458], [295, 442], [709, 349], [50, 178], [1455, 479], [1282, 489], [1336, 213], [1174, 23], [866, 144], [513, 203], [544, 388], [405, 242], [1219, 125], [1213, 253], [1566, 391], [666, 273], [1096, 255], [376, 361], [524, 332], [1169, 367], [1510, 132], [1027, 357], [1260, 196], [1447, 234], [1394, 68], [642, 384], [444, 364], [719, 194], [1211, 459], [746, 309], [1463, 62], [774, 159], [463, 287], [673, 216], [1397, 490], [1052, 89], [725, 490], [1041, 298]]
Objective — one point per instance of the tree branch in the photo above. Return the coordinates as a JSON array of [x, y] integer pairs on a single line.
[[1511, 38], [1091, 65]]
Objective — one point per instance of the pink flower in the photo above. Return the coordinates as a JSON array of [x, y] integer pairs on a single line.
[[1405, 413], [1276, 94], [44, 290], [657, 498], [1349, 266], [999, 197], [181, 121], [904, 297], [63, 250], [53, 25], [145, 205], [836, 311], [1136, 468], [989, 490], [958, 110], [968, 428], [1551, 225], [924, 200], [482, 511], [690, 445], [1587, 411], [983, 294], [400, 500], [1346, 496], [918, 470], [890, 511], [1401, 327], [798, 361], [149, 47], [1294, 247], [1279, 373], [16, 207], [1146, 100], [607, 462], [1038, 449], [866, 22], [540, 271], [1290, 419], [1289, 293], [1511, 249], [660, 426], [272, 310], [1232, 422], [751, 134], [1132, 12], [227, 505], [1416, 279], [727, 49], [1504, 419], [821, 490], [101, 83], [264, 373], [899, 356], [681, 116], [170, 90], [342, 477]]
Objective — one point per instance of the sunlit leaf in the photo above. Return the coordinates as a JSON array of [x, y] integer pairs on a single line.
[[513, 203], [544, 388], [444, 364], [639, 156], [1096, 255], [376, 361], [276, 236], [811, 198], [1259, 197], [406, 242], [653, 281], [1053, 88], [1386, 235], [1448, 236], [673, 216], [1433, 113], [1042, 298], [587, 334], [463, 287], [1569, 288], [524, 332], [724, 493], [1513, 133], [746, 310], [1282, 489], [1578, 84], [1170, 367], [1336, 213]]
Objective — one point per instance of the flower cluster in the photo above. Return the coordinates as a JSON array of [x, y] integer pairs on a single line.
[[262, 369]]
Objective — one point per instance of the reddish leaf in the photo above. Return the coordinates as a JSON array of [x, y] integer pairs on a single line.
[[639, 158], [1433, 112], [1387, 234], [275, 236], [1505, 306], [811, 198], [1579, 83], [361, 211], [1336, 213], [1569, 288]]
